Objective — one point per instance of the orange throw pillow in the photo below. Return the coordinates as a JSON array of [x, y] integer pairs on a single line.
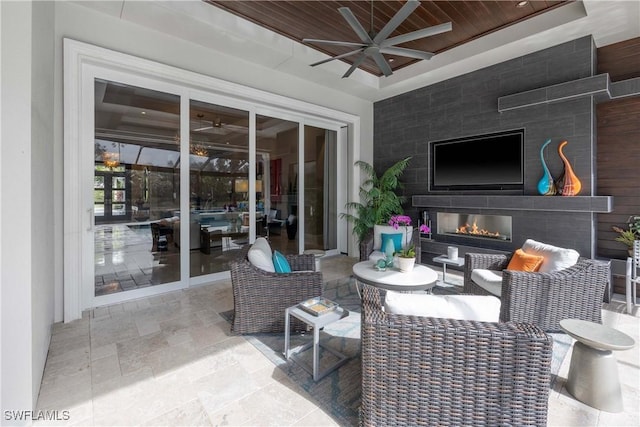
[[522, 261]]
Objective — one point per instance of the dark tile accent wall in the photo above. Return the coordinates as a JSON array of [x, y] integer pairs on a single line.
[[468, 105]]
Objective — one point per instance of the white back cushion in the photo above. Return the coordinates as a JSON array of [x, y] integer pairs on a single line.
[[461, 307], [489, 280], [260, 255], [388, 229], [555, 258], [263, 244]]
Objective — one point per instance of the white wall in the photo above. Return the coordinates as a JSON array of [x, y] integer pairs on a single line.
[[18, 363], [43, 225]]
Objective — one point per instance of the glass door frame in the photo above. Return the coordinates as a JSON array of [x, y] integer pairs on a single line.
[[88, 297], [83, 63], [230, 102], [341, 178]]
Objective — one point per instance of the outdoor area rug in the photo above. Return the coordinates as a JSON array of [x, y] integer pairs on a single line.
[[338, 394]]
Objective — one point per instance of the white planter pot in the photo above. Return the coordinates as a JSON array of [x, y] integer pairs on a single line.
[[406, 264]]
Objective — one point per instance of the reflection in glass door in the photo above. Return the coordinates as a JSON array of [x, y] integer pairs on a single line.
[[218, 185], [320, 189], [277, 173], [136, 187], [111, 193]]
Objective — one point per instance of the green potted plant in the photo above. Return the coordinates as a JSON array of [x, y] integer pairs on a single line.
[[379, 200], [406, 258], [632, 233]]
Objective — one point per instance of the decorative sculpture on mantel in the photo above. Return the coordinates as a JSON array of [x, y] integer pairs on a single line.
[[568, 183], [546, 185]]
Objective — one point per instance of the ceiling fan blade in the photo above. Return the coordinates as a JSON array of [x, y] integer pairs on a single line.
[[397, 19], [355, 25], [344, 55], [203, 128], [415, 35], [382, 64], [411, 53], [339, 43], [355, 65]]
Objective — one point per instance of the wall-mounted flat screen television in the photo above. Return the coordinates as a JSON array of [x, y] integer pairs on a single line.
[[482, 162]]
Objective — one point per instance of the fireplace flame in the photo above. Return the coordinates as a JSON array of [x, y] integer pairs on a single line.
[[474, 230]]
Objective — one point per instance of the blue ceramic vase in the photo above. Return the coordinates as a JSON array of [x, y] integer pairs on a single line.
[[546, 185], [389, 250]]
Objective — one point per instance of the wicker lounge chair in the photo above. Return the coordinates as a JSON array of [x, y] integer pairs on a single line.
[[544, 299], [423, 371], [366, 246], [260, 297]]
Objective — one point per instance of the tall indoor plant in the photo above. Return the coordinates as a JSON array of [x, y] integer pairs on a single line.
[[378, 198]]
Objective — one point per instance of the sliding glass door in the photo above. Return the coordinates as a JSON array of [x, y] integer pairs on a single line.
[[320, 189], [277, 151], [136, 191], [165, 182], [146, 231], [218, 186]]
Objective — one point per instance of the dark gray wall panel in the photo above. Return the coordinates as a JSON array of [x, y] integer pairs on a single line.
[[468, 105]]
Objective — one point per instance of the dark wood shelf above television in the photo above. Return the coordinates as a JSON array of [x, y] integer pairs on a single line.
[[596, 204]]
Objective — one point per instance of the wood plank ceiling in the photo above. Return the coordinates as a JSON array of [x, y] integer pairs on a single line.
[[321, 20]]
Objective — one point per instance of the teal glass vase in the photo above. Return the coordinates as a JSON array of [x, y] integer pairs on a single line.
[[389, 250]]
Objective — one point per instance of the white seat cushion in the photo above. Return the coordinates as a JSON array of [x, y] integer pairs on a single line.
[[388, 229], [489, 280], [461, 307], [555, 258], [260, 255]]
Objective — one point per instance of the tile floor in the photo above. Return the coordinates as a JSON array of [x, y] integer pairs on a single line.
[[171, 360]]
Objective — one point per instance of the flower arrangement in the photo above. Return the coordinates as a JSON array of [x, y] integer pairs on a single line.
[[404, 220]]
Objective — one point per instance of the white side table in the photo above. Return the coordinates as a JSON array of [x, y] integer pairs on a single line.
[[445, 260], [317, 322], [593, 372], [631, 281]]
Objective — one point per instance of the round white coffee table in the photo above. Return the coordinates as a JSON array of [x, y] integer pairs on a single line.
[[421, 278], [593, 372]]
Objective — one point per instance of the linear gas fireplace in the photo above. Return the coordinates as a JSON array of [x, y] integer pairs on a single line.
[[492, 227]]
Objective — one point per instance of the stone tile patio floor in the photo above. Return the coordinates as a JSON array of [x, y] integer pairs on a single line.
[[171, 360]]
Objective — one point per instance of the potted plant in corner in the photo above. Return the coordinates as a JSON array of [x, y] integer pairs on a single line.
[[628, 236], [379, 200]]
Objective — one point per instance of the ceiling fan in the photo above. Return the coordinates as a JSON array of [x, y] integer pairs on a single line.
[[216, 123], [375, 44]]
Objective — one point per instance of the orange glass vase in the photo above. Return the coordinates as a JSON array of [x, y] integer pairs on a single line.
[[568, 184]]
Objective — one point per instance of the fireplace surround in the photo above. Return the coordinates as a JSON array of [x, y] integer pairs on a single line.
[[561, 221]]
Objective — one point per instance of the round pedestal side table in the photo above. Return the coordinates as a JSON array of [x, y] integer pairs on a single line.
[[593, 372]]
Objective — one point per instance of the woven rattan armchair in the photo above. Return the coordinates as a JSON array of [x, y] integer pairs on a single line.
[[424, 371], [366, 246], [544, 299], [260, 297]]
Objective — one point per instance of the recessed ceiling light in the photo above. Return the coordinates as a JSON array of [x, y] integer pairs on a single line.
[[522, 3], [391, 59], [143, 112]]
